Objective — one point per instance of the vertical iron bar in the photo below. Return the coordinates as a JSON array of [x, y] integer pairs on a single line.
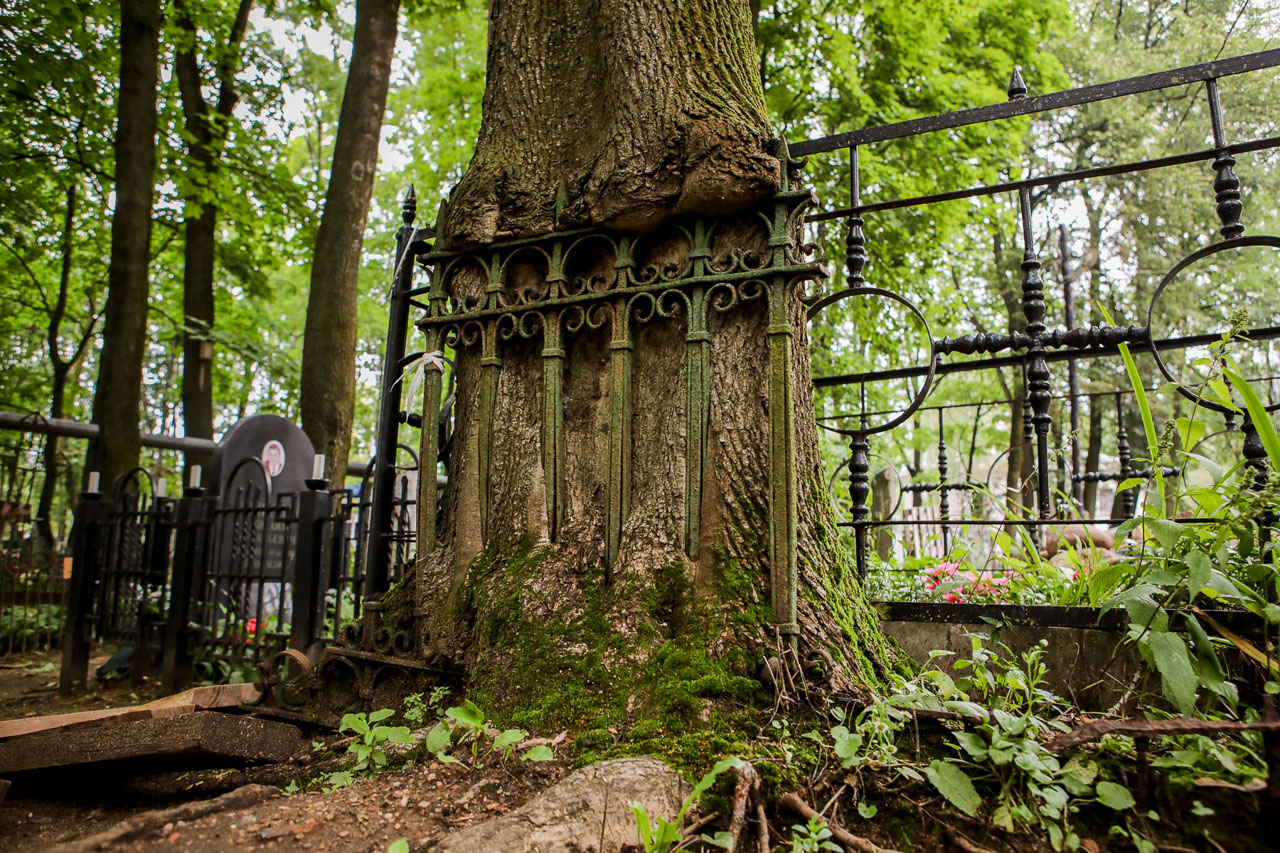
[[90, 514], [944, 501], [379, 545], [620, 347], [175, 666], [308, 593]]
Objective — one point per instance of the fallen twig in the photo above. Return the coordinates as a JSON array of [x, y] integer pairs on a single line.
[[1090, 732], [793, 803]]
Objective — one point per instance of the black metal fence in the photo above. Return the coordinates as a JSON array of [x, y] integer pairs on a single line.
[[1036, 347], [203, 585]]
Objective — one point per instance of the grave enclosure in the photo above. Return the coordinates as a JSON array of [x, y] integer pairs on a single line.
[[179, 573]]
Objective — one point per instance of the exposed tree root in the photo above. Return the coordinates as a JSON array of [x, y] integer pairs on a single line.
[[793, 803]]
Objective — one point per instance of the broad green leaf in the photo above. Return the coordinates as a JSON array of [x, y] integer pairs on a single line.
[[847, 744], [1173, 662], [1004, 542], [1167, 532], [1131, 483], [972, 744], [1198, 570], [468, 714], [439, 738], [380, 715], [1114, 796], [510, 737], [538, 753], [722, 839], [400, 845], [397, 734], [1222, 393], [1189, 431], [355, 723], [867, 810], [954, 785]]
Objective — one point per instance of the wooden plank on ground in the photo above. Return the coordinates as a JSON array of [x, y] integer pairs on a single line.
[[195, 699], [202, 733]]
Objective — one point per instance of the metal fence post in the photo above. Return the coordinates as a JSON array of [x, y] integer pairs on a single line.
[[90, 512], [308, 589], [188, 551], [149, 651]]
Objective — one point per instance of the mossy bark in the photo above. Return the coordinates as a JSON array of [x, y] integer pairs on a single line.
[[514, 593]]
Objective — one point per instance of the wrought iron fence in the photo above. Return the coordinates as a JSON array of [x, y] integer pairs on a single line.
[[200, 585], [1038, 346]]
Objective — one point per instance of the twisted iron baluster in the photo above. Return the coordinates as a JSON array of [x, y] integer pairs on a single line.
[[1226, 185], [855, 260], [1033, 308], [943, 501], [1129, 497]]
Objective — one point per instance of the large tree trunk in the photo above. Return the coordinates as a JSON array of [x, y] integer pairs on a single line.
[[635, 502], [117, 398], [614, 112], [329, 342], [207, 129]]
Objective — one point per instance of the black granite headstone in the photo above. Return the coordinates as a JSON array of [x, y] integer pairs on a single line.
[[282, 447], [257, 470]]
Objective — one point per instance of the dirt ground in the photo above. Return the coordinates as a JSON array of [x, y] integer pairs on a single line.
[[29, 686], [418, 804]]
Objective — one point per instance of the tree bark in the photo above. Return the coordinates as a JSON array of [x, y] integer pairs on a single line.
[[642, 110], [117, 398], [1092, 457], [615, 487], [208, 126], [329, 342]]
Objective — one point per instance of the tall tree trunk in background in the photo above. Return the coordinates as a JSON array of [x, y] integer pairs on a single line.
[[1093, 452], [61, 371], [117, 401], [207, 126], [329, 343], [581, 533], [1092, 456]]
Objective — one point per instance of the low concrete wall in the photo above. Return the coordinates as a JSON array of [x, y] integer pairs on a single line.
[[1079, 660]]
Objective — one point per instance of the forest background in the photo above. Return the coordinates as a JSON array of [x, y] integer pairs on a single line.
[[827, 67]]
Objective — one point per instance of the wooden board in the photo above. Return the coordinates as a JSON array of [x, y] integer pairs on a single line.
[[199, 733], [186, 702]]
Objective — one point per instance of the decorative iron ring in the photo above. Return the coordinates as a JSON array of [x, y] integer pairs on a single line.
[[831, 485], [920, 397], [992, 468], [1211, 249]]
